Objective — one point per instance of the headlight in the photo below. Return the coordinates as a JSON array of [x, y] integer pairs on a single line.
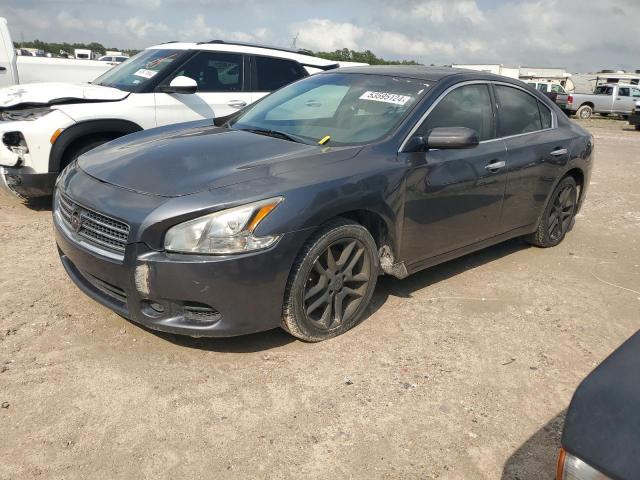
[[224, 232], [572, 468], [26, 114]]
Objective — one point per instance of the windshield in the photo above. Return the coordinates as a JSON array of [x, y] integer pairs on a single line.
[[135, 73], [335, 108]]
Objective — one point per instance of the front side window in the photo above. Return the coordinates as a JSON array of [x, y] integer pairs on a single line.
[[519, 111], [213, 71], [134, 75], [467, 106], [273, 73], [349, 109]]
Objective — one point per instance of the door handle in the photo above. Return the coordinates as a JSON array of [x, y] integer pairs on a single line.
[[3, 69], [559, 151], [495, 165], [237, 104]]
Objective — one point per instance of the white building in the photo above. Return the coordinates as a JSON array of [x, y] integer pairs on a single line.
[[496, 69]]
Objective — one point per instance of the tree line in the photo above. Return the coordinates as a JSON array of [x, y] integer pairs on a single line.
[[346, 55]]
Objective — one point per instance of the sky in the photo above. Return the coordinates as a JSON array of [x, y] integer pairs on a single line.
[[580, 35]]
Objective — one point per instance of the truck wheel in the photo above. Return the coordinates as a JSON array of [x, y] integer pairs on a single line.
[[80, 147], [584, 112], [638, 127]]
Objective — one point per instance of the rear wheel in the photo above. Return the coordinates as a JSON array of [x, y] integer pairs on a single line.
[[638, 127], [584, 112], [331, 283], [558, 216]]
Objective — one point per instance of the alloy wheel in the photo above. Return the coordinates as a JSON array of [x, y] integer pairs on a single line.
[[561, 213], [337, 283]]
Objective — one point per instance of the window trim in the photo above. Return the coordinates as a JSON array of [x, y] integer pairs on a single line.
[[490, 83]]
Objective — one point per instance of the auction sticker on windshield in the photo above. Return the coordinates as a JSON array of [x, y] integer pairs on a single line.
[[385, 97], [145, 73]]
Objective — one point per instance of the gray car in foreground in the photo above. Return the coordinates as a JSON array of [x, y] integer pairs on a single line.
[[286, 214]]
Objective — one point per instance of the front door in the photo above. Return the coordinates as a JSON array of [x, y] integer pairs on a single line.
[[454, 197], [221, 89]]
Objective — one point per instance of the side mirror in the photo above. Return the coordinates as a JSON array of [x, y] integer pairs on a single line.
[[451, 137], [180, 84]]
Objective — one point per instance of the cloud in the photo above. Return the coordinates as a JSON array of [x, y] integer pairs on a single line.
[[323, 34]]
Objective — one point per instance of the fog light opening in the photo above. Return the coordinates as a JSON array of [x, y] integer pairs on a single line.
[[156, 307]]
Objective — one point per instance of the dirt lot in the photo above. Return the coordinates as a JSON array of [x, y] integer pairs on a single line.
[[463, 371]]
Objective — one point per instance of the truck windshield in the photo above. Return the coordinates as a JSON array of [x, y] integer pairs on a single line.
[[335, 108], [135, 73]]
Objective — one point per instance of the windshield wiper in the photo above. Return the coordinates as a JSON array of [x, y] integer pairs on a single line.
[[275, 134]]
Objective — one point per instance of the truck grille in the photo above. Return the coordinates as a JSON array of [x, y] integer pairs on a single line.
[[94, 227]]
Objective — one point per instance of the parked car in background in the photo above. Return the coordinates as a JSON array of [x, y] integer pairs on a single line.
[[45, 126], [554, 91], [634, 117], [606, 99], [113, 58], [601, 438], [285, 214], [28, 67]]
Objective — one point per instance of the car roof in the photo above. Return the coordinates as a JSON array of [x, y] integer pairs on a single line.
[[420, 72], [301, 56]]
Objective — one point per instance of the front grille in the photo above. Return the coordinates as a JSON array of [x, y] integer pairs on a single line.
[[94, 227]]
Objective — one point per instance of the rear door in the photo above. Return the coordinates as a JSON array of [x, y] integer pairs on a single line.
[[624, 101], [453, 198], [535, 149], [221, 90], [8, 61]]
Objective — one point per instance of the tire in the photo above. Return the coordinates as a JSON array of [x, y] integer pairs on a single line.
[[584, 112], [318, 288], [562, 204], [638, 127], [78, 148]]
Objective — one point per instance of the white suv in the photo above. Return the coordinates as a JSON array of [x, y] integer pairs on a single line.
[[45, 126]]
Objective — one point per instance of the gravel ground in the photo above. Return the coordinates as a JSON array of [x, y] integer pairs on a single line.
[[462, 371]]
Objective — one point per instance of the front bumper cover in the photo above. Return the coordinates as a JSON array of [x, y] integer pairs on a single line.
[[246, 290], [24, 183]]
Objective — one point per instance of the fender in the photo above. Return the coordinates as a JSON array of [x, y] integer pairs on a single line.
[[82, 129]]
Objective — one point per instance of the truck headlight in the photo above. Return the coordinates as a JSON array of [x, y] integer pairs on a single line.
[[572, 468], [26, 114], [224, 232]]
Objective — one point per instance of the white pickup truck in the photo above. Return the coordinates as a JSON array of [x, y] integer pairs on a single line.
[[16, 69], [610, 98]]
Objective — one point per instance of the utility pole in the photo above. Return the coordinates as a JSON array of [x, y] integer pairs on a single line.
[[294, 42]]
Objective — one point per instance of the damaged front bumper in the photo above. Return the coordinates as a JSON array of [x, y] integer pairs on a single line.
[[23, 182]]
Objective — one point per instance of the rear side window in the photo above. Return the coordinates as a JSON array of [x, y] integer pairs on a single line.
[[273, 73], [603, 90], [467, 106], [543, 87], [623, 91], [557, 89], [519, 111]]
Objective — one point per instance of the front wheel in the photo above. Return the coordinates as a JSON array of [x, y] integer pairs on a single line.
[[558, 216], [331, 282]]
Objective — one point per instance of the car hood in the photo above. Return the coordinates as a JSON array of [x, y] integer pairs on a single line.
[[47, 94], [179, 160], [602, 426]]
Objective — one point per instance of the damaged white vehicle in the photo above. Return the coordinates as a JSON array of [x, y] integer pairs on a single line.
[[45, 126]]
